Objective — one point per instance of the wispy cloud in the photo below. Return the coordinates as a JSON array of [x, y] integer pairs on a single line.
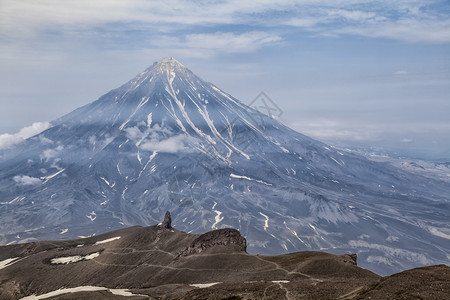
[[406, 20], [414, 30], [26, 180], [51, 153], [9, 140], [159, 139], [328, 132], [173, 144], [230, 42]]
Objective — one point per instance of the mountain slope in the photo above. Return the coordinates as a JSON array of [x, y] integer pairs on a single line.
[[167, 140]]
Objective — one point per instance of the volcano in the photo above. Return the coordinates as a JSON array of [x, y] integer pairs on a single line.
[[167, 140]]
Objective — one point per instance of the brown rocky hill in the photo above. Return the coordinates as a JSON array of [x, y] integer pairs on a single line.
[[160, 262]]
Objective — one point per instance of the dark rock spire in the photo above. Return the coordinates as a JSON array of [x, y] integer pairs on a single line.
[[167, 223]]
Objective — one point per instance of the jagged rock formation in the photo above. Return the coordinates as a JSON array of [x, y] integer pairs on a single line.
[[229, 238], [167, 223], [155, 263], [353, 257]]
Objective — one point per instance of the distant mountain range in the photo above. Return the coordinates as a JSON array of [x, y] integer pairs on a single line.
[[167, 140]]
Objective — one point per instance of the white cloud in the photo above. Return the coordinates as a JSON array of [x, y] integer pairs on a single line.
[[159, 139], [403, 20], [50, 153], [133, 133], [9, 140], [174, 144], [352, 15], [332, 130], [406, 140], [230, 42], [401, 72], [26, 180], [391, 251], [411, 29]]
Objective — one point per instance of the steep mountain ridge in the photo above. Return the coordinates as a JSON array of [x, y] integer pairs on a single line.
[[167, 140]]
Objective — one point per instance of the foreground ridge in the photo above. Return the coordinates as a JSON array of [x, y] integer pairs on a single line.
[[160, 261]]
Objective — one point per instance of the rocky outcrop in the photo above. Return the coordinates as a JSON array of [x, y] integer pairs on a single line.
[[167, 223], [353, 258], [229, 237]]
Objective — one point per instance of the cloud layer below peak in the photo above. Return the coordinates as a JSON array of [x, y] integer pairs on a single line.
[[10, 140]]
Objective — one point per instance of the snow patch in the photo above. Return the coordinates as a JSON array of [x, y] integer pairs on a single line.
[[438, 233], [217, 218], [8, 262], [92, 216], [149, 120], [73, 259], [204, 285], [248, 178], [336, 161], [266, 222], [107, 240], [106, 181], [47, 178], [296, 235]]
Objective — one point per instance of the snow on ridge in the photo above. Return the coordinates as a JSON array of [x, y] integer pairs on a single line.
[[204, 285], [8, 262], [438, 233], [47, 178], [266, 222], [187, 118], [217, 218], [92, 216], [204, 113], [144, 100], [152, 156], [336, 161], [18, 199], [248, 178], [106, 181], [149, 120], [296, 235], [107, 240]]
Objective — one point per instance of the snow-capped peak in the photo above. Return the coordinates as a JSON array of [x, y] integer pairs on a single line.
[[169, 63]]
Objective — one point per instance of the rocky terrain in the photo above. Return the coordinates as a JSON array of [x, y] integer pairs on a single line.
[[160, 262]]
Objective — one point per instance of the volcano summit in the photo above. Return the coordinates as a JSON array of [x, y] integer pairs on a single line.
[[167, 140]]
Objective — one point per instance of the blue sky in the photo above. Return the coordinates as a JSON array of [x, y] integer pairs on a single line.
[[346, 72]]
